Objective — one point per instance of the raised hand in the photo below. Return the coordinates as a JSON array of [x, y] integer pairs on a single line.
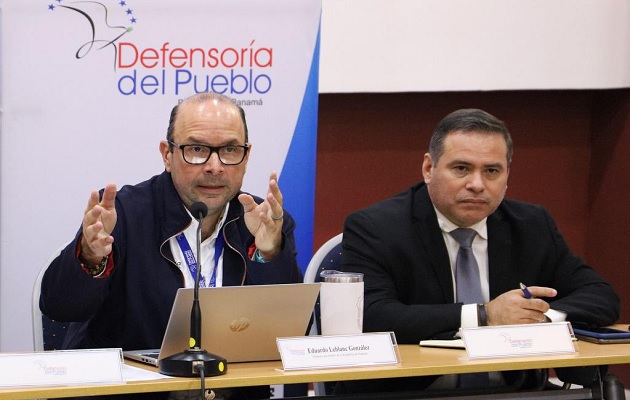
[[264, 220], [99, 220]]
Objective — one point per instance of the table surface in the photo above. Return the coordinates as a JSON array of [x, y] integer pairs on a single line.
[[415, 361]]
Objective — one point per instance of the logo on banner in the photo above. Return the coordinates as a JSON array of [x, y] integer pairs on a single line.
[[106, 26], [168, 68]]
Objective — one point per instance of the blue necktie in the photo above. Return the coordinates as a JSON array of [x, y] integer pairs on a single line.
[[468, 292], [466, 269]]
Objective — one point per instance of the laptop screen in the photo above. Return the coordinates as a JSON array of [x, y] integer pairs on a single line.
[[241, 323]]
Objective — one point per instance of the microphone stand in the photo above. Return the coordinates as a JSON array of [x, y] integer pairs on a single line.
[[195, 361]]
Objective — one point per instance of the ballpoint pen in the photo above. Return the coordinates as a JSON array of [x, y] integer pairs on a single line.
[[526, 291]]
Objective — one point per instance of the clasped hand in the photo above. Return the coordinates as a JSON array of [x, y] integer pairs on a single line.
[[264, 220], [513, 308]]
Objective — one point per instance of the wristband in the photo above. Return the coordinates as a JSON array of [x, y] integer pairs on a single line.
[[258, 257], [482, 316], [94, 270]]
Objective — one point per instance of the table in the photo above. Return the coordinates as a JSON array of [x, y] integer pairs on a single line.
[[415, 361]]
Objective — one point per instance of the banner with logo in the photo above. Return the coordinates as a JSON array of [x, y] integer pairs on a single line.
[[86, 92]]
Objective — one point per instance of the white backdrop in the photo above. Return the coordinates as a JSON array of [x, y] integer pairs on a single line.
[[73, 118], [446, 45]]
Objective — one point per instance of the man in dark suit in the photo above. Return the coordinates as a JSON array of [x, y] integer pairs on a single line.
[[404, 247]]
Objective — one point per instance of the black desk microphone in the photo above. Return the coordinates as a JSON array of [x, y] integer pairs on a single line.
[[195, 361]]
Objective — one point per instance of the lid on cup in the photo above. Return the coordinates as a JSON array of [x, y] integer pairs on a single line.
[[331, 275]]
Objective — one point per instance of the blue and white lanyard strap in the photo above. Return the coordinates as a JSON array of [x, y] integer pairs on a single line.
[[189, 257]]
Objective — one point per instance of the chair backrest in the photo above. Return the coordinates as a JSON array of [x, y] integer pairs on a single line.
[[47, 333], [328, 256]]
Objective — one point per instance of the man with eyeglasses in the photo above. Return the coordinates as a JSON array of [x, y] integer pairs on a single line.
[[118, 278]]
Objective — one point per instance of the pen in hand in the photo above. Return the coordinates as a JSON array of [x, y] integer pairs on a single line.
[[525, 291]]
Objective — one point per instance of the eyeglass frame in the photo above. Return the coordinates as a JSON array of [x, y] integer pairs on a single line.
[[213, 149]]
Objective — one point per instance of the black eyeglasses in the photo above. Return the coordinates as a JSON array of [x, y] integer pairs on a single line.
[[196, 154]]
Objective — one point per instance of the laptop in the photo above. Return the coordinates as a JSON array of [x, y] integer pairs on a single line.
[[239, 323]]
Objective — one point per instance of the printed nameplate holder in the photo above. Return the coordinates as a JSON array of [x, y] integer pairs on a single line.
[[64, 367], [335, 351], [519, 340]]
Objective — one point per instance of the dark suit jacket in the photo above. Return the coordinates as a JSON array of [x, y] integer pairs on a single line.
[[398, 245]]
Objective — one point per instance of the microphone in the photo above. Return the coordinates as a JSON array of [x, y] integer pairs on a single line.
[[195, 361], [199, 210]]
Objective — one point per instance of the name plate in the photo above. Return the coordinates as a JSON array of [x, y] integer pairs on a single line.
[[519, 340], [64, 367], [312, 352]]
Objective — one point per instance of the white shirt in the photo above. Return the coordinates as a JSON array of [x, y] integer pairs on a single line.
[[207, 252]]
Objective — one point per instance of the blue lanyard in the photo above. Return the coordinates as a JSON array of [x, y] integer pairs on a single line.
[[191, 262]]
